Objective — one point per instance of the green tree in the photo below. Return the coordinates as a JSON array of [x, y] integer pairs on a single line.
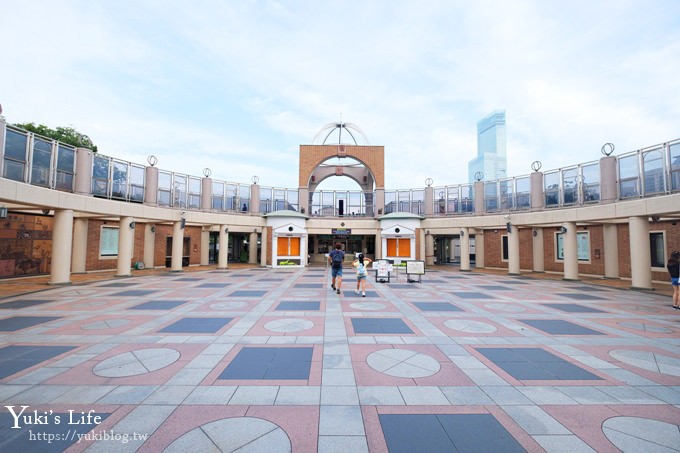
[[66, 135]]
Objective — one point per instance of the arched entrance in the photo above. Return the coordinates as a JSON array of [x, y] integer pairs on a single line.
[[364, 164]]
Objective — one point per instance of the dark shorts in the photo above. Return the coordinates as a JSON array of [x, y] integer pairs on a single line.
[[336, 272], [675, 281]]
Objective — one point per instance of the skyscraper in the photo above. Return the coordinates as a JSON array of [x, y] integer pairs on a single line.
[[491, 158]]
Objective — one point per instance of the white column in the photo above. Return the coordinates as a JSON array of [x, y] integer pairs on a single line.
[[62, 237], [149, 245], [464, 249], [264, 246], [640, 258], [378, 245], [479, 249], [513, 251], [429, 250], [125, 238], [79, 255], [611, 251], [223, 255], [538, 250], [177, 247], [570, 252], [252, 248], [205, 246]]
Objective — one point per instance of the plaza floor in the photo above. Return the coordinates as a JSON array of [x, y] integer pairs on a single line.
[[250, 359]]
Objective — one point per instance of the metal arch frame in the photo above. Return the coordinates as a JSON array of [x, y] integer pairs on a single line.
[[340, 126]]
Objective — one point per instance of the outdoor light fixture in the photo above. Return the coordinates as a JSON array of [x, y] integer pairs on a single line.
[[3, 212], [534, 233], [226, 230], [462, 233], [153, 228], [183, 223], [132, 225], [508, 228], [563, 230]]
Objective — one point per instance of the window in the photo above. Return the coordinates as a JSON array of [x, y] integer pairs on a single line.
[[108, 241], [288, 246], [582, 246], [657, 249], [398, 248]]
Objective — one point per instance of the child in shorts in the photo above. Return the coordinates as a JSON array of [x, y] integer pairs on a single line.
[[360, 263]]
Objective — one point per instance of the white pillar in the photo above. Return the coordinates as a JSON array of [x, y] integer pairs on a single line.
[[513, 250], [538, 250], [570, 252], [205, 246], [62, 237], [177, 247], [264, 246], [429, 250], [223, 255], [378, 245], [149, 245], [252, 248], [611, 251], [125, 240], [479, 249], [465, 249], [79, 255], [640, 258]]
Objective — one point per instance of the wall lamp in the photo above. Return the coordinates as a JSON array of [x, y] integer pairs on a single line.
[[508, 228], [462, 233], [226, 230], [132, 225], [3, 212], [563, 230], [183, 223], [153, 228]]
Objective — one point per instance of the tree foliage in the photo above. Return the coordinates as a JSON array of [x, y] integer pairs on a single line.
[[66, 135]]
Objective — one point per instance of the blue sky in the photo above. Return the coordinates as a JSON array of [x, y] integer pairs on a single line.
[[237, 86]]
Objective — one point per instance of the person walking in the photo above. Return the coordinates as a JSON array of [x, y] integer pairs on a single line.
[[360, 263], [673, 266], [335, 259]]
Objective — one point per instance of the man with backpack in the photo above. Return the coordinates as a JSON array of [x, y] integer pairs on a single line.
[[335, 259]]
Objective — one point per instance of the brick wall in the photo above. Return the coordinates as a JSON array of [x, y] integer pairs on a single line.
[[373, 157], [94, 262], [161, 250]]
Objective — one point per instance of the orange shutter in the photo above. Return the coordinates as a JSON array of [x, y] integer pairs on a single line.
[[294, 247], [282, 246], [391, 247], [404, 248]]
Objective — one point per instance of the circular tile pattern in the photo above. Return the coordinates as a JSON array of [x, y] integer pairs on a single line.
[[134, 363], [228, 305], [403, 363], [508, 308], [642, 327], [641, 434], [289, 325], [367, 306], [105, 324], [646, 360], [468, 326], [234, 434]]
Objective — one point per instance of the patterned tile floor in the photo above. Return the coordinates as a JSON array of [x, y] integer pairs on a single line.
[[274, 360]]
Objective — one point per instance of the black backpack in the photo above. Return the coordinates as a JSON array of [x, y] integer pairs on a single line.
[[338, 256]]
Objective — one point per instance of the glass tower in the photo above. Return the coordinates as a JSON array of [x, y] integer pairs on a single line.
[[491, 157]]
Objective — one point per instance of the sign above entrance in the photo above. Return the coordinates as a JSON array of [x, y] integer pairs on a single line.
[[341, 231]]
